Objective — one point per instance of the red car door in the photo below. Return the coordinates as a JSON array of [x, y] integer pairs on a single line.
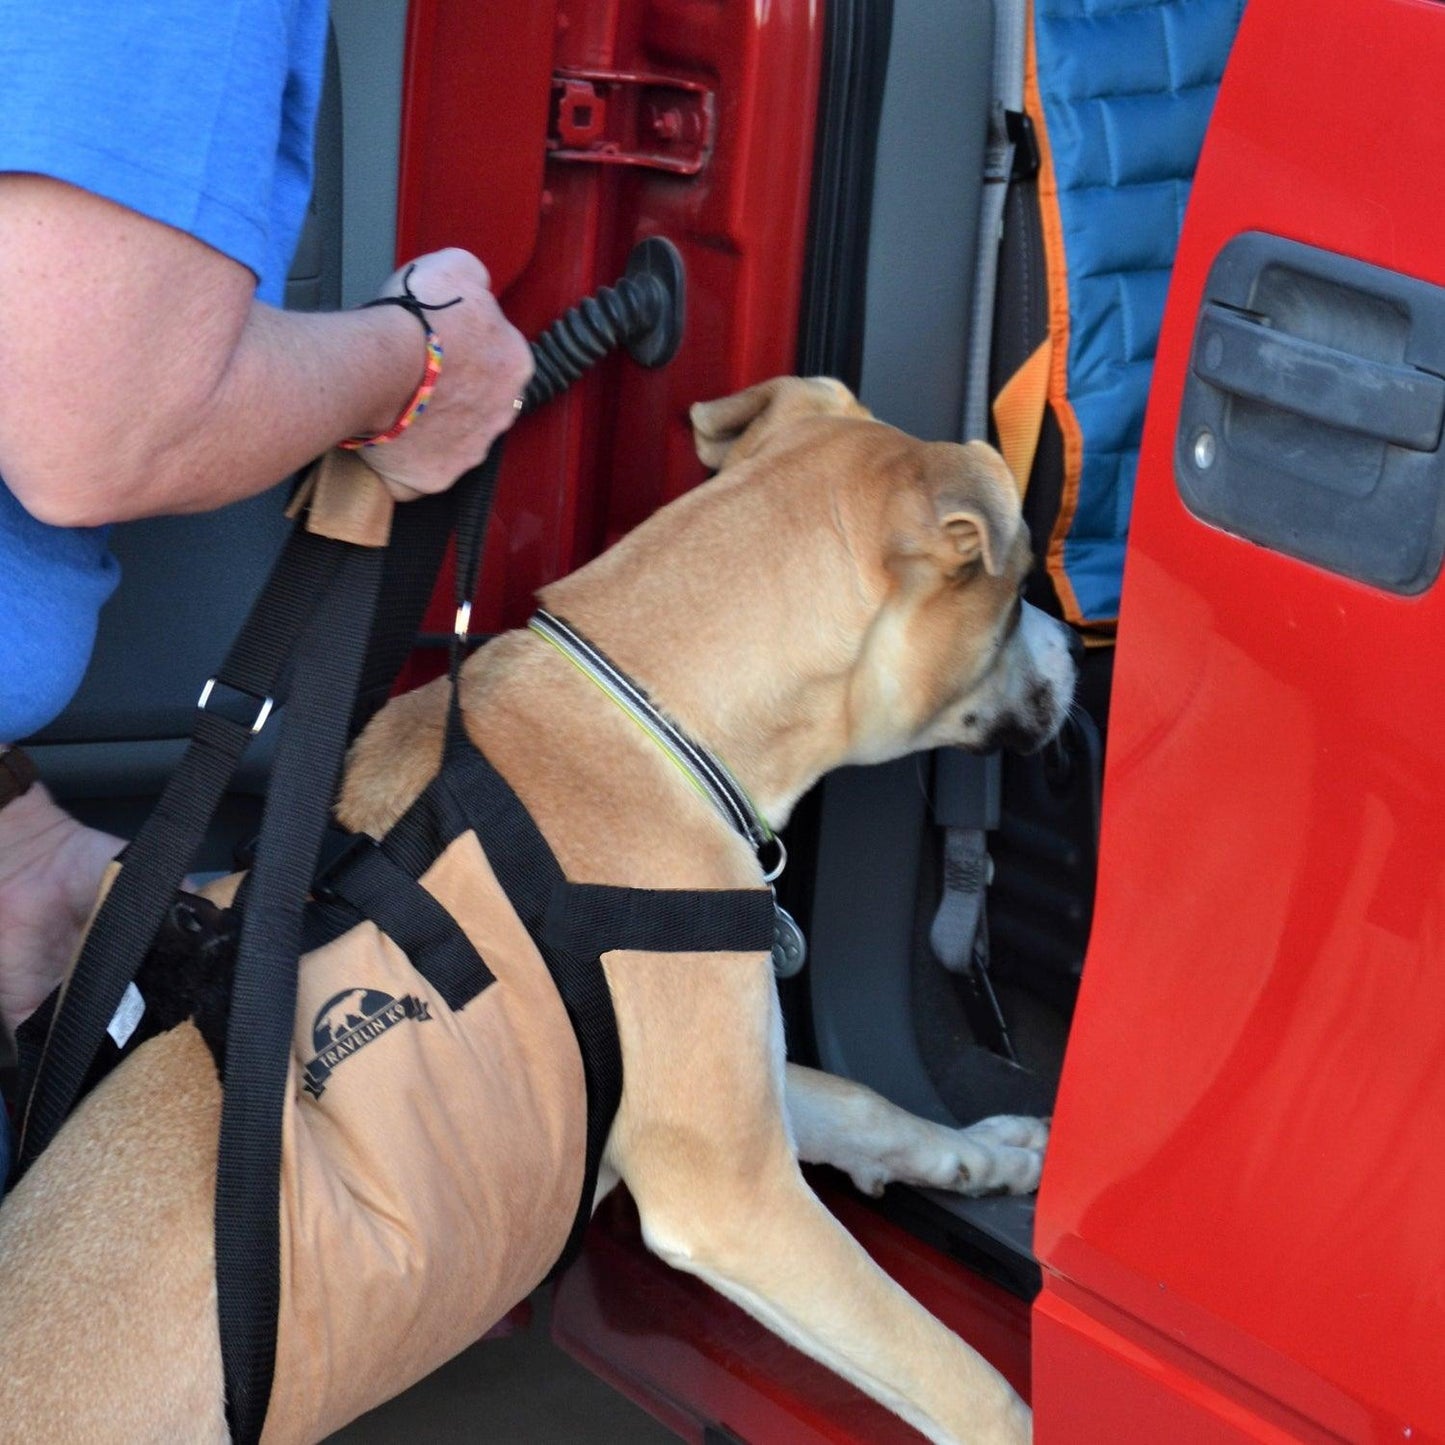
[[551, 138], [1239, 1219]]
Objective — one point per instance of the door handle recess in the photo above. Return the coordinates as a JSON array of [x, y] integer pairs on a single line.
[[1400, 405]]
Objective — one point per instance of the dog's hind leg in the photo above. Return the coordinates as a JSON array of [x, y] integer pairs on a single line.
[[107, 1271], [838, 1122]]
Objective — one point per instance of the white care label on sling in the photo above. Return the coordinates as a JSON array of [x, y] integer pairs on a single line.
[[127, 1016]]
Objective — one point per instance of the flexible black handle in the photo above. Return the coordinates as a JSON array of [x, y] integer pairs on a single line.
[[1401, 405], [644, 312]]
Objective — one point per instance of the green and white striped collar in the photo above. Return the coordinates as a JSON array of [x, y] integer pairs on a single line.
[[706, 773]]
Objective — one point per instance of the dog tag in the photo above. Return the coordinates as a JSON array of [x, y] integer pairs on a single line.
[[790, 948]]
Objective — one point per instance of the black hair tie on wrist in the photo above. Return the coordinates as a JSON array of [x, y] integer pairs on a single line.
[[410, 303]]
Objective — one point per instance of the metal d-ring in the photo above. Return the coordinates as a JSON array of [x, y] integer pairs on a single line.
[[772, 874]]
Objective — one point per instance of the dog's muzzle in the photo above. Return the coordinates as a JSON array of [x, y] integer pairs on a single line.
[[1039, 677]]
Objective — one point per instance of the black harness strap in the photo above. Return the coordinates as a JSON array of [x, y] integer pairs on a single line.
[[470, 793], [572, 924], [156, 861], [258, 1037], [419, 535], [263, 997], [593, 916], [380, 889]]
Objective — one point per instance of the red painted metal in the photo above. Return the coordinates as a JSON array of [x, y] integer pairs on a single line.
[[475, 173], [692, 1359], [1240, 1220], [623, 118]]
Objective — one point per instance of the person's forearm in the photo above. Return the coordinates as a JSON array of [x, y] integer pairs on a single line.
[[293, 385], [141, 377]]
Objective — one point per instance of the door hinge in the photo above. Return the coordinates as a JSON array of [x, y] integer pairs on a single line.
[[627, 118]]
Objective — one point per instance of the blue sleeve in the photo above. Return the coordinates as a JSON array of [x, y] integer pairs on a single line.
[[196, 113]]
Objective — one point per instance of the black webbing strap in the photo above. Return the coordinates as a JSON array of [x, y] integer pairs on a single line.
[[530, 874], [263, 998], [380, 889], [469, 793], [156, 861], [660, 920], [328, 672], [474, 512], [419, 534]]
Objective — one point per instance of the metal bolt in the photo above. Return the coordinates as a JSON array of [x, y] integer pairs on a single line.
[[667, 124]]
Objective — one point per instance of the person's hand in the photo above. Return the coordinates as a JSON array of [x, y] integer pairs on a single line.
[[486, 366]]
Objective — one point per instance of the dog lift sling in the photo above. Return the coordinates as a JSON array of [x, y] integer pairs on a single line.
[[420, 1061]]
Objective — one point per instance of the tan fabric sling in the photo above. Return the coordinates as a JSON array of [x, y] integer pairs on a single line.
[[434, 1181]]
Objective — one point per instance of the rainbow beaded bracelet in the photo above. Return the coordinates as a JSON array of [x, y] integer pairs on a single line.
[[415, 407]]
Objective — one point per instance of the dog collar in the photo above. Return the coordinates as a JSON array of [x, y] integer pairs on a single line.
[[706, 773]]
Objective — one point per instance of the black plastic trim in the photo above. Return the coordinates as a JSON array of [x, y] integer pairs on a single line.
[[1311, 416], [850, 104]]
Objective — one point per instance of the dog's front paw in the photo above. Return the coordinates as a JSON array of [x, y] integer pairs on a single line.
[[1001, 1155], [1014, 1148]]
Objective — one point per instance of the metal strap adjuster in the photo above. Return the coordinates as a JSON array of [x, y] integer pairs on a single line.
[[235, 704]]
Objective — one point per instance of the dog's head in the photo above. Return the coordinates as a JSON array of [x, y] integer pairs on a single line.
[[945, 650]]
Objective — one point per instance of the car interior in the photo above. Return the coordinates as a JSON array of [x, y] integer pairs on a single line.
[[984, 1032], [946, 900]]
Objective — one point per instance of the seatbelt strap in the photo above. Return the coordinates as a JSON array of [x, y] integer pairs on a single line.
[[959, 927], [966, 805], [1008, 102]]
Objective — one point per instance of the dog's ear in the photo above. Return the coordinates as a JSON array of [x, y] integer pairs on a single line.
[[736, 426], [975, 506]]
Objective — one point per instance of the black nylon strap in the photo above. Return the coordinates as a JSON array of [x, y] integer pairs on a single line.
[[659, 920], [471, 793], [263, 999], [382, 890], [156, 861], [474, 512], [263, 1002], [419, 534]]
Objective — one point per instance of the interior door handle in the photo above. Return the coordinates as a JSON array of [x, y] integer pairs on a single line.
[[1400, 405]]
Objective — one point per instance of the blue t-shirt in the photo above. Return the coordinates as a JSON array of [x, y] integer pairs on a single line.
[[196, 113]]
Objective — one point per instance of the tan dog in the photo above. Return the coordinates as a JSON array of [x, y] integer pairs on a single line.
[[841, 593]]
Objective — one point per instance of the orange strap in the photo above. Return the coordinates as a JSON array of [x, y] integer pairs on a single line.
[[1018, 413]]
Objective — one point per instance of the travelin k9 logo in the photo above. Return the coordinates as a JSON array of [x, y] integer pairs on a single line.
[[347, 1023]]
